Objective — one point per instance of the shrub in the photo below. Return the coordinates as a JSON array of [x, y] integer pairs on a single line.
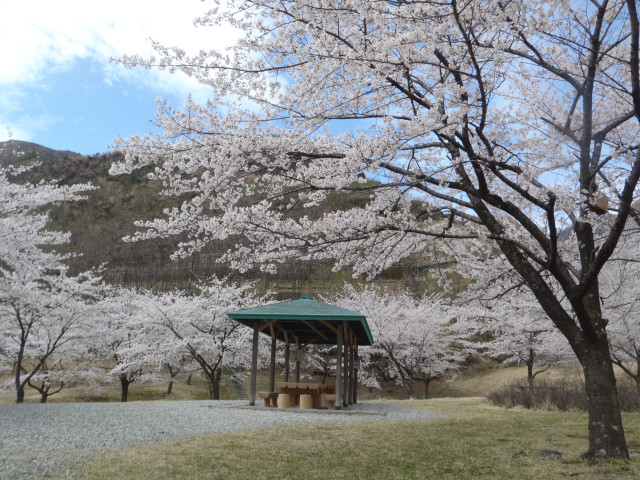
[[563, 395]]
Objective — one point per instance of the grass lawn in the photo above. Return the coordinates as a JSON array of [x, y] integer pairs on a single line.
[[476, 440]]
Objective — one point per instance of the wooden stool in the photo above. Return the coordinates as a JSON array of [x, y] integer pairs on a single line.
[[306, 402], [331, 401], [269, 398], [284, 400]]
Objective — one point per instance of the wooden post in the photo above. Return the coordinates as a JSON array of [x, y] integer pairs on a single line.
[[339, 369], [272, 365], [345, 392], [286, 361], [351, 385], [355, 375], [254, 366], [297, 361]]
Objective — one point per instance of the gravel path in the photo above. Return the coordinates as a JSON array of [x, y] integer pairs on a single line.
[[36, 440]]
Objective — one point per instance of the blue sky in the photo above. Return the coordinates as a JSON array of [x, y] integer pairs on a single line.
[[57, 85]]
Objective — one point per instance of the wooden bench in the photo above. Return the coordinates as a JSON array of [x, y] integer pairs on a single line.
[[331, 401], [270, 398]]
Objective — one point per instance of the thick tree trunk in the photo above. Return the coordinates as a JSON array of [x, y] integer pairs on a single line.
[[43, 397], [124, 384], [606, 435], [189, 378], [170, 387]]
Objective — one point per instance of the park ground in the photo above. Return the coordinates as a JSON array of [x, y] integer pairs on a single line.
[[473, 440]]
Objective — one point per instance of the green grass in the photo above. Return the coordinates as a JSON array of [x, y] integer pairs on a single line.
[[474, 441]]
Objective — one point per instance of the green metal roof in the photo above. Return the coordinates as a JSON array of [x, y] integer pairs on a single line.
[[303, 318]]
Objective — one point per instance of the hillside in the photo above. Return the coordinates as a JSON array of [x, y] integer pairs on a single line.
[[16, 151], [98, 224]]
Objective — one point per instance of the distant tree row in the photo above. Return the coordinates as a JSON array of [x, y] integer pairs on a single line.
[[59, 328]]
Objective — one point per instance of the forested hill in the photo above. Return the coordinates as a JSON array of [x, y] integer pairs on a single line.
[[98, 224], [15, 151]]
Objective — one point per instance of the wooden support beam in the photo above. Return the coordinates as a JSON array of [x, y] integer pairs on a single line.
[[272, 364], [339, 369], [264, 325], [315, 330], [345, 374], [286, 360], [254, 366], [333, 328], [297, 360], [355, 373], [351, 376]]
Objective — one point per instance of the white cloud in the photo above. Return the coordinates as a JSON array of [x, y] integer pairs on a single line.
[[40, 37], [24, 127]]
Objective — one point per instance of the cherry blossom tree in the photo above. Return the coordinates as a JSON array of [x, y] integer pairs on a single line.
[[519, 330], [415, 337], [486, 125], [41, 304], [321, 359], [46, 378], [620, 297], [197, 326], [117, 340], [65, 367]]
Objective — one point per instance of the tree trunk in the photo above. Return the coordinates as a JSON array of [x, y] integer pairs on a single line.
[[189, 378], [172, 374], [427, 383], [530, 379], [213, 379], [124, 383], [43, 396], [606, 435], [19, 393], [216, 384]]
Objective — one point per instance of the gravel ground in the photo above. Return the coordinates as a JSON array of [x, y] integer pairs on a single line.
[[40, 441]]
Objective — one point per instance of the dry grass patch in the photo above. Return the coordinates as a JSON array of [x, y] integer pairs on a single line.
[[475, 441], [111, 393]]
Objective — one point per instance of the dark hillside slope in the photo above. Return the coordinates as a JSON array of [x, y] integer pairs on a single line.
[[98, 224]]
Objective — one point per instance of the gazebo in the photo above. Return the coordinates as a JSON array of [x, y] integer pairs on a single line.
[[303, 322]]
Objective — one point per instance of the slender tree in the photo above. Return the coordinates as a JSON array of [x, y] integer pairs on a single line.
[[197, 326], [118, 340], [415, 339], [620, 298], [41, 304], [514, 329]]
